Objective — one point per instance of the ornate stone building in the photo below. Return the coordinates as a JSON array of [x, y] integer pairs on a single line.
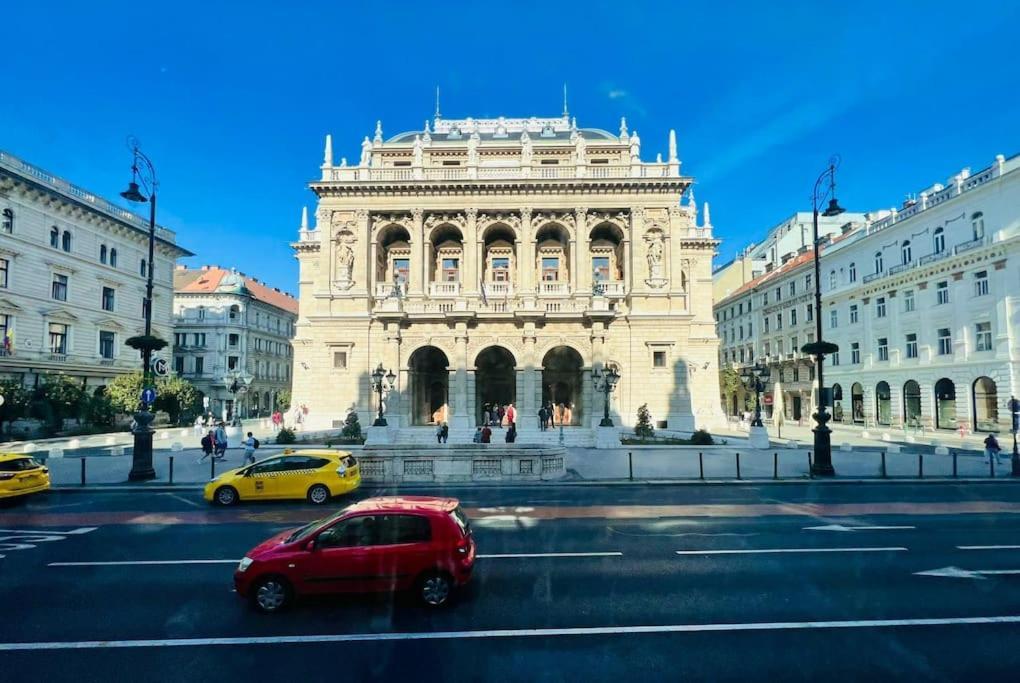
[[502, 261]]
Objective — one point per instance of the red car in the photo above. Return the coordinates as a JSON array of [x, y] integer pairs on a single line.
[[379, 544]]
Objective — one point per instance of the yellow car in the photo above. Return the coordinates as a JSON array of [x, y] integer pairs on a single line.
[[314, 475], [21, 475]]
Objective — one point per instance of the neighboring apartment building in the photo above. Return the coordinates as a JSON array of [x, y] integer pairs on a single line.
[[922, 301], [503, 260], [232, 339], [72, 279], [924, 307]]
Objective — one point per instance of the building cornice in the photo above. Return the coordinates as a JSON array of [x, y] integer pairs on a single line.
[[586, 186]]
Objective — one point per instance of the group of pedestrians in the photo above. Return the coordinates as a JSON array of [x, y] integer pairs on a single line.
[[498, 415], [214, 445], [483, 433], [550, 415]]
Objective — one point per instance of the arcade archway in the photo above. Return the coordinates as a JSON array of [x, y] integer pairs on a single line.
[[495, 380], [563, 384], [429, 383]]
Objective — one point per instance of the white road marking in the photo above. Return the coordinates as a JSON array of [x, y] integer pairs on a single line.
[[73, 532], [130, 563], [756, 551], [183, 500], [840, 527], [516, 555], [988, 547], [508, 633], [958, 573]]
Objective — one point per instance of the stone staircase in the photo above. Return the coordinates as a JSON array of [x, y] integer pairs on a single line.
[[573, 437]]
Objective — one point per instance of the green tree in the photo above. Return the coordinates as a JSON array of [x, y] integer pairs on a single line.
[[351, 428], [174, 395], [643, 429], [283, 401], [58, 398], [125, 392], [99, 410], [731, 384], [16, 401]]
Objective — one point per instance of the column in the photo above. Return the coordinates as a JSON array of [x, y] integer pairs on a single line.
[[417, 265], [459, 386], [526, 256], [373, 263], [472, 269], [361, 272], [391, 361], [529, 399], [582, 259]]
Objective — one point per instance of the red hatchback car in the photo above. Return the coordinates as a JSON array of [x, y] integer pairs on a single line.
[[379, 544]]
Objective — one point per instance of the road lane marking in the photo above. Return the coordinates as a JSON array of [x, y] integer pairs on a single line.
[[840, 527], [129, 563], [988, 547], [73, 532], [958, 573], [183, 500], [507, 633], [516, 555], [757, 551]]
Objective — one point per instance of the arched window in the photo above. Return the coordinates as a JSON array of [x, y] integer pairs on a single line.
[[113, 256], [986, 411], [102, 253], [912, 403], [853, 272], [832, 279], [54, 237], [940, 240], [879, 266], [8, 221], [65, 241], [141, 270], [977, 222], [905, 252], [883, 403], [945, 404]]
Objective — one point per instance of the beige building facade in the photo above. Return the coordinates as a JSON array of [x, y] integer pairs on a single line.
[[502, 261]]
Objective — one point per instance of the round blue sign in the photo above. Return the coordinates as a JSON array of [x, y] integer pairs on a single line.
[[148, 395]]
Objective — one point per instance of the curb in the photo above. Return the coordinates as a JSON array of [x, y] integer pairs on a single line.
[[890, 481]]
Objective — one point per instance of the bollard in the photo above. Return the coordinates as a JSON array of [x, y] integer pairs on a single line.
[[171, 469], [775, 465], [701, 467], [738, 465], [212, 467], [920, 465], [991, 467], [630, 465], [954, 464], [810, 474], [82, 470]]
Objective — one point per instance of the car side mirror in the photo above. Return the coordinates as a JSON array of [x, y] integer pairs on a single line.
[[311, 545]]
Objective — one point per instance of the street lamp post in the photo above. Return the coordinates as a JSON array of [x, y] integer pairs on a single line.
[[825, 187], [142, 171], [1014, 414], [755, 376], [606, 383], [382, 381], [237, 382]]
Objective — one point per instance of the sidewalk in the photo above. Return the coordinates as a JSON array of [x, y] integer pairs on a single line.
[[658, 464]]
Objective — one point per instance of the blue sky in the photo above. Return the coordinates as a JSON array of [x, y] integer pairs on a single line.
[[232, 100]]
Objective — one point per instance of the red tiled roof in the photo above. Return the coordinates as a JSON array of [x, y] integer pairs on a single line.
[[206, 280], [792, 264]]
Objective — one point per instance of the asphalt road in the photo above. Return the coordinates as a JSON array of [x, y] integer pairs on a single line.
[[705, 583]]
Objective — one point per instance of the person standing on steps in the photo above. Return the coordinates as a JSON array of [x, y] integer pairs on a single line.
[[445, 433], [511, 433], [486, 434]]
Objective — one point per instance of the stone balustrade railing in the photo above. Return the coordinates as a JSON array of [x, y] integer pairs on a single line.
[[369, 174]]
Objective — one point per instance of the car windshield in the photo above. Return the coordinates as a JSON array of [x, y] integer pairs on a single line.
[[310, 528], [18, 465]]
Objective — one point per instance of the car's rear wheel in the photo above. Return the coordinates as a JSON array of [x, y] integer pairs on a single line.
[[226, 495], [318, 494], [434, 589], [271, 594]]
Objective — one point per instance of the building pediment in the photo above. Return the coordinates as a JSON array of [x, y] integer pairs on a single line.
[[60, 315], [8, 305], [109, 323]]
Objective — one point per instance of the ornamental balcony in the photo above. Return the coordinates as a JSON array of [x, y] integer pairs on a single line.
[[385, 290], [609, 288], [501, 172], [553, 288], [444, 289], [498, 289]]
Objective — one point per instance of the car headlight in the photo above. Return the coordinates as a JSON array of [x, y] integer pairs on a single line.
[[244, 564]]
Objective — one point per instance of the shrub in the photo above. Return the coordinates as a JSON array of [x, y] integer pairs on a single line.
[[643, 429], [701, 438], [351, 428], [286, 436]]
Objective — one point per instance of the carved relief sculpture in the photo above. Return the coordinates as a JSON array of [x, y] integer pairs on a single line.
[[654, 254]]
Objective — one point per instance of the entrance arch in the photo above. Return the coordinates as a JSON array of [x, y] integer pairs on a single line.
[[911, 404], [857, 402], [430, 386], [986, 399], [883, 403], [945, 404], [837, 403], [562, 385], [495, 380]]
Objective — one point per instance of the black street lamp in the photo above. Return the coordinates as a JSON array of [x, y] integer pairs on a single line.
[[382, 381], [756, 375], [141, 456], [1014, 414], [606, 383], [825, 187]]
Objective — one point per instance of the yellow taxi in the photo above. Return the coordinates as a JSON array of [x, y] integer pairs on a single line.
[[313, 475], [21, 475]]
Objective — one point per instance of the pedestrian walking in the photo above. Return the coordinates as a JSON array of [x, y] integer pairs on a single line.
[[439, 433], [486, 434], [486, 416], [445, 432], [220, 441], [992, 449], [250, 444], [543, 418], [500, 412], [207, 446], [511, 433], [511, 413]]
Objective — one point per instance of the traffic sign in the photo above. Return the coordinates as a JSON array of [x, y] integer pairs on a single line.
[[148, 395], [161, 366]]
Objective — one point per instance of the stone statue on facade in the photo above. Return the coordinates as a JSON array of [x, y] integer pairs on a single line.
[[344, 259], [419, 151], [525, 149], [473, 148], [655, 257], [366, 151]]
